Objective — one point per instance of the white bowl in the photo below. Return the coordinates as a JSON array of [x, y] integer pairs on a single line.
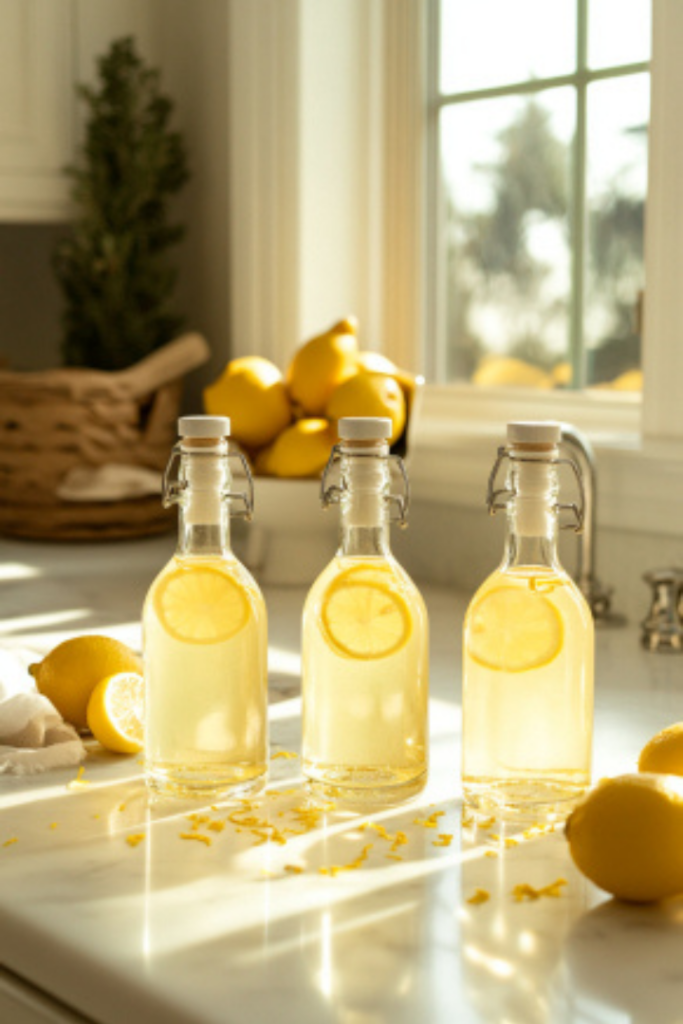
[[291, 538]]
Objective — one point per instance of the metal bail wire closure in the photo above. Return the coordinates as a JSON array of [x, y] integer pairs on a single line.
[[331, 493], [493, 496], [174, 488], [245, 497]]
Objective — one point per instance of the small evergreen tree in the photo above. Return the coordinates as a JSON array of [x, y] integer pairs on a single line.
[[112, 264]]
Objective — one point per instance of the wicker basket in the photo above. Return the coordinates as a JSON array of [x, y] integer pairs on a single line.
[[63, 430]]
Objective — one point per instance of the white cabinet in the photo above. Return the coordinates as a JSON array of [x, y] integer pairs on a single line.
[[37, 108], [46, 48]]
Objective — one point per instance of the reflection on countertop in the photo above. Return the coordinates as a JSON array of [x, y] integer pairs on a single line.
[[282, 909]]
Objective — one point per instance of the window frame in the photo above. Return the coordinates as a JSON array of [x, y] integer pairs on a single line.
[[638, 439], [579, 79]]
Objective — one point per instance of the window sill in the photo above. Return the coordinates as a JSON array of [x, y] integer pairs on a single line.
[[457, 430]]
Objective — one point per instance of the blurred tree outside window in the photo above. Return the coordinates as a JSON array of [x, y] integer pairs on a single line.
[[542, 118]]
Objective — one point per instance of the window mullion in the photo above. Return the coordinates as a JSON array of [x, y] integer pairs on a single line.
[[577, 355]]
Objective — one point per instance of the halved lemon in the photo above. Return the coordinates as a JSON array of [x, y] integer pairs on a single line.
[[201, 605], [363, 616], [115, 712], [513, 630]]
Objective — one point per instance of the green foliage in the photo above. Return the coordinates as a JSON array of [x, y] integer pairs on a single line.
[[531, 177], [112, 265], [493, 272]]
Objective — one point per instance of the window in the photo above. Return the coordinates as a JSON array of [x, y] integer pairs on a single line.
[[540, 120]]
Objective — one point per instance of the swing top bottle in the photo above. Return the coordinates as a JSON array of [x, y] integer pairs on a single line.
[[365, 636], [204, 623], [528, 650]]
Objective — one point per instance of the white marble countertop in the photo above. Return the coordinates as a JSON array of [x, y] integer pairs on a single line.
[[176, 931]]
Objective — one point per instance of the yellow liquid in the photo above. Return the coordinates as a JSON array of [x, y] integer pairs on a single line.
[[527, 734], [206, 725], [365, 719]]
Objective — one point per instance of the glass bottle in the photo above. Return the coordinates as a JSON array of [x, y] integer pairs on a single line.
[[365, 636], [527, 698], [205, 633]]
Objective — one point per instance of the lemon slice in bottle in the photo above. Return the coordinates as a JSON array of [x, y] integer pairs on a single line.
[[115, 712], [363, 616], [201, 605], [514, 630]]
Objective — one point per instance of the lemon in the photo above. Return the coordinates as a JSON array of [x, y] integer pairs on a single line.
[[561, 374], [302, 449], [626, 835], [252, 393], [115, 712], [375, 362], [70, 672], [320, 365], [370, 394], [201, 605], [513, 630], [664, 752], [630, 380], [363, 616], [504, 371]]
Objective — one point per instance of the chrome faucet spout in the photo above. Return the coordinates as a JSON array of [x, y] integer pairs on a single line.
[[599, 598]]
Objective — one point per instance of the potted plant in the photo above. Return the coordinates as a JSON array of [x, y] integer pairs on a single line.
[[81, 447]]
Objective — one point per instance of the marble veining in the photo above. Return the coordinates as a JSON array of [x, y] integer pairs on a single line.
[[177, 931]]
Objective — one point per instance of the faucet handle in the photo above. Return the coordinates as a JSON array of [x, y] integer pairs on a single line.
[[663, 627]]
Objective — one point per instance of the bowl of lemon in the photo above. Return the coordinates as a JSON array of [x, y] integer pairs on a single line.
[[286, 424]]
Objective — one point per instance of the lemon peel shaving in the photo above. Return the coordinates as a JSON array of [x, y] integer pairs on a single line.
[[294, 869], [491, 853], [54, 824], [524, 891], [134, 840], [393, 856], [487, 823], [398, 839], [79, 782], [479, 896], [198, 820], [216, 826], [196, 836], [11, 842], [288, 755], [334, 869], [431, 821], [511, 842], [445, 839]]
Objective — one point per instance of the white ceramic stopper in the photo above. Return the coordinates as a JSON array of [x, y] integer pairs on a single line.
[[364, 428], [533, 432], [204, 426]]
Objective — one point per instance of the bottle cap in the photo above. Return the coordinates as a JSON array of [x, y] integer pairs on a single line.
[[364, 428], [538, 432], [204, 426]]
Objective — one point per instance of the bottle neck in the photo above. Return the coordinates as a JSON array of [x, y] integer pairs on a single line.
[[532, 515], [204, 515], [364, 505]]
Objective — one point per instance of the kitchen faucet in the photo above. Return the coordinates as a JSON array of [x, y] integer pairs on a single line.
[[599, 598]]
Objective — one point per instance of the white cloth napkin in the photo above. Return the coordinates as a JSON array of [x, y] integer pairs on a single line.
[[33, 735]]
